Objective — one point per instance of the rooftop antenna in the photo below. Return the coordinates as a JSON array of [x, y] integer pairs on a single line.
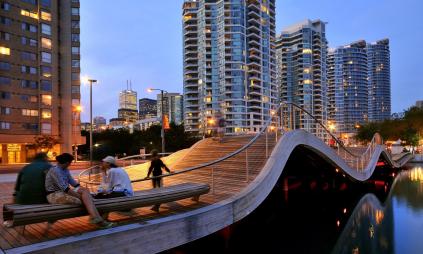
[[130, 85]]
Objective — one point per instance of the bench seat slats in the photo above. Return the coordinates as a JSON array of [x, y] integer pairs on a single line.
[[28, 214]]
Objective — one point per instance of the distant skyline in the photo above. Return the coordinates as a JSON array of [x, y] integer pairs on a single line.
[[142, 41]]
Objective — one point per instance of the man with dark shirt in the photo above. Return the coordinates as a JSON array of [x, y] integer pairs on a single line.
[[156, 167], [29, 188]]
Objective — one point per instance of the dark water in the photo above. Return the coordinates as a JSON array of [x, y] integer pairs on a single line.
[[395, 226], [323, 211]]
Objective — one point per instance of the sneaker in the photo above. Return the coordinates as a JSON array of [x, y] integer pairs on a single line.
[[8, 224], [100, 222], [155, 208], [105, 224]]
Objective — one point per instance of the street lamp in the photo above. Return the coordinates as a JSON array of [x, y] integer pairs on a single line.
[[162, 99], [91, 81], [209, 122]]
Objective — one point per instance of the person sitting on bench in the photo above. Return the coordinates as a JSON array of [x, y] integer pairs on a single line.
[[116, 182], [29, 188], [58, 191]]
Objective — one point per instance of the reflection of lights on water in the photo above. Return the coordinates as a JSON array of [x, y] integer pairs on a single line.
[[345, 210], [355, 250], [379, 216], [338, 223], [416, 175], [371, 231]]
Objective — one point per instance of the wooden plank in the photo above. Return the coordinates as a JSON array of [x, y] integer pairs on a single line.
[[227, 182]]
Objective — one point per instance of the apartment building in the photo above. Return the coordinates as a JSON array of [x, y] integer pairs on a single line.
[[302, 76], [229, 63], [39, 76]]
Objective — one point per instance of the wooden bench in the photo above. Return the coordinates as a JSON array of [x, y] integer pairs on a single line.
[[17, 215]]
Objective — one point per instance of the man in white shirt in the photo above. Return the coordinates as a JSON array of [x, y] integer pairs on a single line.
[[116, 182]]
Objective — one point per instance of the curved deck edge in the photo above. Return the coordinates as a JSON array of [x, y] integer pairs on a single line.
[[165, 233]]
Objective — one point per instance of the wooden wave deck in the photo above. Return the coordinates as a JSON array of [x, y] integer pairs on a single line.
[[229, 179], [237, 188]]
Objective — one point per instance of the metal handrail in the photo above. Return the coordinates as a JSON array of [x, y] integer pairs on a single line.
[[120, 159], [323, 126], [246, 146]]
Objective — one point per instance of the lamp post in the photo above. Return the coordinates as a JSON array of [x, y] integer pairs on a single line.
[[90, 82], [162, 100]]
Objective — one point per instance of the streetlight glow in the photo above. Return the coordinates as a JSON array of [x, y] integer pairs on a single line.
[[84, 79], [78, 108]]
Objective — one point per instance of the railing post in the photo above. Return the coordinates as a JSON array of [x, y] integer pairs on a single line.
[[131, 162], [266, 143], [246, 166], [212, 183], [356, 163]]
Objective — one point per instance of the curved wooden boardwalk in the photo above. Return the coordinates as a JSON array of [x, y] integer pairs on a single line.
[[239, 184]]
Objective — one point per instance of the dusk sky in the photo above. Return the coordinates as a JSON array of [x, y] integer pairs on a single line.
[[142, 41]]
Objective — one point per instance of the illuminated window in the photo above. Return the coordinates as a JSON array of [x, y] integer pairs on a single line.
[[307, 51], [308, 82], [30, 14], [46, 43], [46, 113], [29, 112], [5, 51], [46, 99], [45, 16], [187, 17], [307, 70]]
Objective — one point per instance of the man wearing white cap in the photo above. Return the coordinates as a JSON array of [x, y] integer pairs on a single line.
[[116, 182]]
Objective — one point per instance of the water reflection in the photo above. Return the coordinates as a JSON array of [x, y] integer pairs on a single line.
[[395, 227], [319, 210]]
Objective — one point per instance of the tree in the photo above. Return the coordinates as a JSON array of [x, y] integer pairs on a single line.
[[408, 129], [45, 142], [117, 142]]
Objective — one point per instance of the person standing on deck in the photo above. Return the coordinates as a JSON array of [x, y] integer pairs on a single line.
[[57, 185], [29, 188], [156, 168]]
